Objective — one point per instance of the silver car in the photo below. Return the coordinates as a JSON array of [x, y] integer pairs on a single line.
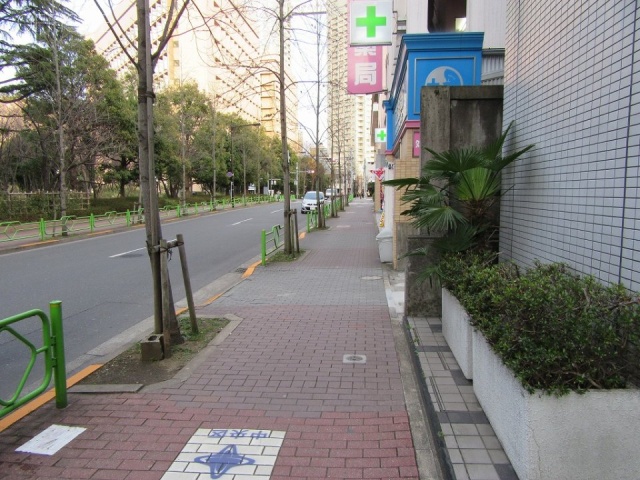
[[310, 201]]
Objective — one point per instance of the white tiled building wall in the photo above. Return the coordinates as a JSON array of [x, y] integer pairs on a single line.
[[572, 87]]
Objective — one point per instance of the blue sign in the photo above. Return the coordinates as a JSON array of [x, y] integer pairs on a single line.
[[431, 59], [451, 75]]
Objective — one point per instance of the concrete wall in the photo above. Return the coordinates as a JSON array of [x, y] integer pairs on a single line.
[[406, 165], [571, 86], [458, 117], [451, 117], [593, 436]]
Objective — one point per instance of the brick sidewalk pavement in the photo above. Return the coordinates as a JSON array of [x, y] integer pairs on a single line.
[[307, 385]]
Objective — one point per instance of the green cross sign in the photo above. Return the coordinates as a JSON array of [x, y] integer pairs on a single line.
[[381, 135], [371, 21]]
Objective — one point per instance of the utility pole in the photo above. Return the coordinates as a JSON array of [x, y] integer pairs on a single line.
[[213, 156], [232, 128], [182, 159], [321, 219]]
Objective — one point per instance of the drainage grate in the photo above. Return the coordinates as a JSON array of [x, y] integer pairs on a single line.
[[351, 358], [241, 270]]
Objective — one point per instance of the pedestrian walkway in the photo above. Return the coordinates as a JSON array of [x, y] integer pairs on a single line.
[[466, 443], [308, 381]]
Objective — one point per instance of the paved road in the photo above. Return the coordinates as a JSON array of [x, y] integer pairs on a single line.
[[104, 282]]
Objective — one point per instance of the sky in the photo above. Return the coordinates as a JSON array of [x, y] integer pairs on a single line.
[[90, 14]]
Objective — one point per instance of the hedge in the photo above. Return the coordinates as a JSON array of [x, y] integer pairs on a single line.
[[556, 330]]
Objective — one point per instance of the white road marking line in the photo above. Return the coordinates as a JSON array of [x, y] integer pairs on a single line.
[[241, 221], [125, 253]]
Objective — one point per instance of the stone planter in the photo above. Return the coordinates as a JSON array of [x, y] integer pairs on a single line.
[[457, 331], [592, 436]]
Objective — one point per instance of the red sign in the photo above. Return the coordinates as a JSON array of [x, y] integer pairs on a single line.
[[416, 143], [378, 173], [364, 69]]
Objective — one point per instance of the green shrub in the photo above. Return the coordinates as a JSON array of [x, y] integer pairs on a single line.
[[557, 331], [36, 207]]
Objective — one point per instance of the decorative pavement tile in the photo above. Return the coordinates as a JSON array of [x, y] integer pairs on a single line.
[[227, 454]]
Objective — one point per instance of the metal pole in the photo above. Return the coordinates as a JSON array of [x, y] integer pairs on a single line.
[[231, 168], [182, 155], [213, 153], [59, 368]]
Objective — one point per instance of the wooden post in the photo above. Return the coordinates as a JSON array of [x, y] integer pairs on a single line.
[[166, 304], [187, 284], [295, 230]]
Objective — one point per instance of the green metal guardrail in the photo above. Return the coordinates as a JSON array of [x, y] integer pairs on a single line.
[[71, 224], [312, 216], [312, 220], [52, 350], [20, 231], [270, 242]]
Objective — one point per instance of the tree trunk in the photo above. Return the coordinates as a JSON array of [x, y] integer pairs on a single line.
[[288, 248], [145, 149]]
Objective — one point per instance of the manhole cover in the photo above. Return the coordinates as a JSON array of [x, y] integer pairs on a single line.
[[372, 277], [352, 358]]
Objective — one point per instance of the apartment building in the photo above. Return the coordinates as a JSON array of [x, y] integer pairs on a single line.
[[218, 45], [349, 116]]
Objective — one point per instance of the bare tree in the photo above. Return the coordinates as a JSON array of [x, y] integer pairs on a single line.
[[317, 66], [282, 27], [144, 64]]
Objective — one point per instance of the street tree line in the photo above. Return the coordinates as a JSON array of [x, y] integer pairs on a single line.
[[98, 115], [68, 122]]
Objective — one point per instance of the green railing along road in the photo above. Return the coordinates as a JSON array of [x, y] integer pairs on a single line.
[[270, 242], [71, 224], [52, 350]]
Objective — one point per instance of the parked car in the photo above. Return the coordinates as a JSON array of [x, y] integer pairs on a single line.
[[331, 192], [310, 201]]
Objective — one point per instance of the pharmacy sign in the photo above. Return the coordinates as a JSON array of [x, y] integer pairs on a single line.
[[370, 22]]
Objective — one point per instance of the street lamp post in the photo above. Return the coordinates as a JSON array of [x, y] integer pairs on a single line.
[[244, 171], [244, 158]]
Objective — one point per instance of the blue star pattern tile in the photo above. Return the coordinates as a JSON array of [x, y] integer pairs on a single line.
[[227, 454]]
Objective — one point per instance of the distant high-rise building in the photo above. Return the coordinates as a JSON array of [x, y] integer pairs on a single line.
[[349, 116], [216, 45]]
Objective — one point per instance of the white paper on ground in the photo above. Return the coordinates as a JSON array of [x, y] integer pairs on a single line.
[[51, 440]]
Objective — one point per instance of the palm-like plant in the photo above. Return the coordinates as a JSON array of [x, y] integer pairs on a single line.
[[457, 195]]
